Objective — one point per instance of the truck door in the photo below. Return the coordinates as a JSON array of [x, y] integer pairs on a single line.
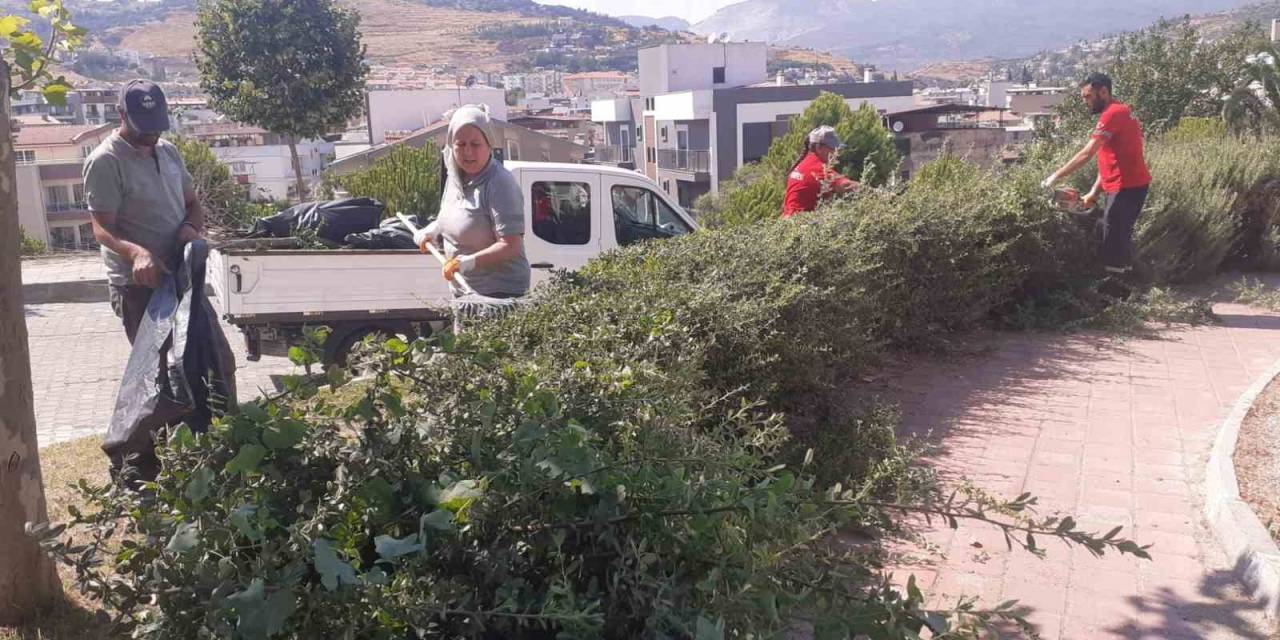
[[637, 211], [563, 219]]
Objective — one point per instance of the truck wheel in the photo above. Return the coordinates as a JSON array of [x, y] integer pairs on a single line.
[[343, 339]]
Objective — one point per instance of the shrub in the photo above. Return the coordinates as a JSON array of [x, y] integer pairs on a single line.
[[406, 180], [757, 191], [29, 246], [226, 204], [1213, 202], [613, 460], [1193, 129]]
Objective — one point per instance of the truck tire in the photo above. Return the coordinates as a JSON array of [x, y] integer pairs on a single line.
[[344, 337]]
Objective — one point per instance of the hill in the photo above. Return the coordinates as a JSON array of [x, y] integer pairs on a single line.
[[1077, 59], [468, 35], [670, 23], [909, 34]]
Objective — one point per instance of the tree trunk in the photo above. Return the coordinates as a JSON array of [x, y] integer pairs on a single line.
[[297, 169], [28, 580]]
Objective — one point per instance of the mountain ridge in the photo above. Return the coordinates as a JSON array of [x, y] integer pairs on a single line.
[[907, 34]]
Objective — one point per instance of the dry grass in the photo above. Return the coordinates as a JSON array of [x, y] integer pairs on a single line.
[[954, 71], [63, 465], [810, 56], [395, 32]]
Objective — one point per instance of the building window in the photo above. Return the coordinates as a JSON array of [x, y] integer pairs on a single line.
[[639, 214], [62, 237], [87, 241], [513, 150], [56, 194], [562, 212], [25, 156], [664, 134], [77, 192], [717, 75]]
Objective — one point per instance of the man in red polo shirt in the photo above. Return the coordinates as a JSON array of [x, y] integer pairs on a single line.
[[812, 179], [1122, 171]]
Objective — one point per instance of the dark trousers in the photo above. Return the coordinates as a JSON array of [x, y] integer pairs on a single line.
[[1117, 223], [129, 302]]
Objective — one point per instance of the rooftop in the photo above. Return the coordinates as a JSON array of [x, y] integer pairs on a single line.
[[57, 134]]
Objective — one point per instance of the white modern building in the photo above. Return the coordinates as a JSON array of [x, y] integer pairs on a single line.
[[706, 109], [261, 162]]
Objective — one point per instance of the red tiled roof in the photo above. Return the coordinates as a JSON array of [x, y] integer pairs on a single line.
[[56, 134]]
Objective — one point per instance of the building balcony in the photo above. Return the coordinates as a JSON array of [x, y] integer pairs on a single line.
[[615, 155], [59, 207], [688, 160]]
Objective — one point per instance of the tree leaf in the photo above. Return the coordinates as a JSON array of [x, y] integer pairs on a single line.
[[283, 434], [56, 93], [246, 461], [185, 538], [708, 630], [459, 495], [10, 25], [390, 548], [198, 486], [440, 520], [261, 617], [333, 570]]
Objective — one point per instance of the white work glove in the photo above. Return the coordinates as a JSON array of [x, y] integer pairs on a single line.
[[458, 264], [426, 234], [1050, 181]]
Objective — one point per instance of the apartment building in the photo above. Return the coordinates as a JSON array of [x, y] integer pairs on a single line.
[[410, 110], [51, 201], [595, 84], [260, 160], [703, 110]]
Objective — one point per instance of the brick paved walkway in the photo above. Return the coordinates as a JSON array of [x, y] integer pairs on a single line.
[[1117, 432], [79, 351]]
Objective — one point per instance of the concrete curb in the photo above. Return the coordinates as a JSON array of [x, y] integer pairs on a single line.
[[1235, 525], [68, 291]]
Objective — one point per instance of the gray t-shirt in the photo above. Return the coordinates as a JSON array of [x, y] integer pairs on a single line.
[[474, 215], [145, 192]]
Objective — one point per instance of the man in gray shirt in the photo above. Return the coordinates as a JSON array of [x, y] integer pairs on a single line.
[[143, 202]]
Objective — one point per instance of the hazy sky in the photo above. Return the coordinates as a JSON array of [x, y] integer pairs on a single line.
[[691, 10]]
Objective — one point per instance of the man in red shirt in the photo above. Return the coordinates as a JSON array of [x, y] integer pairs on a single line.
[[812, 179], [1122, 171]]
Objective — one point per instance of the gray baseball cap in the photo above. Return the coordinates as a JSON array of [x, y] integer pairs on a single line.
[[145, 106], [825, 136]]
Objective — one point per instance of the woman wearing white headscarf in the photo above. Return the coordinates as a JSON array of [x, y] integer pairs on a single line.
[[481, 212]]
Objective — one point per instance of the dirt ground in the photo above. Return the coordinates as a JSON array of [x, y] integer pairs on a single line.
[[1257, 458]]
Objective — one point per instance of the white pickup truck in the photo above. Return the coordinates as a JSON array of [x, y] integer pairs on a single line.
[[573, 212]]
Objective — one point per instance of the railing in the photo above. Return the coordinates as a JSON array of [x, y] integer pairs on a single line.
[[614, 155], [691, 160], [58, 207]]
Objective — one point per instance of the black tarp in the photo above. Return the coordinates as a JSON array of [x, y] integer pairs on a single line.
[[391, 234], [331, 220], [181, 368]]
